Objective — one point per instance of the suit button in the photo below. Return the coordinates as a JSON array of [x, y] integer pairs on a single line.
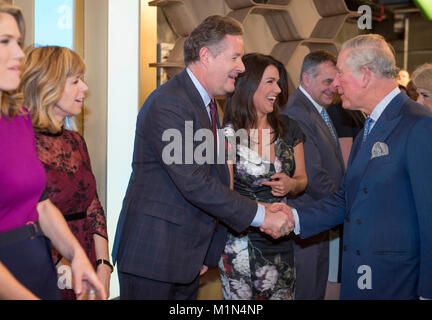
[[365, 190], [358, 252], [345, 248], [347, 219], [358, 221]]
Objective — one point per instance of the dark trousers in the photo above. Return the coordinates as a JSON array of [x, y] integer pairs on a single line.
[[31, 264], [133, 287], [312, 266]]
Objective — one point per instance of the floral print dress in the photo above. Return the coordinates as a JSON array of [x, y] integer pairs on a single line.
[[253, 265], [71, 186]]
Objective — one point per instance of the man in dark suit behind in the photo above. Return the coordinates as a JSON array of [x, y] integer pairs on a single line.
[[324, 166], [169, 226], [385, 198]]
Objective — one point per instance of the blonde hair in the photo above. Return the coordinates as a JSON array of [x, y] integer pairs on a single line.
[[10, 106], [43, 81], [422, 77]]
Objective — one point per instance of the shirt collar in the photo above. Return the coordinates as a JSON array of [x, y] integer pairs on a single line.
[[316, 105], [382, 105], [203, 93]]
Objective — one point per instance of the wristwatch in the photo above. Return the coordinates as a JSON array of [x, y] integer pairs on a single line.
[[99, 261]]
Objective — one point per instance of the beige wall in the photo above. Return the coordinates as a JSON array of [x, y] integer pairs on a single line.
[[27, 7], [96, 58]]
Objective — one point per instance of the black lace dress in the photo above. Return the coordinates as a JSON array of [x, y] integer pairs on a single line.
[[253, 265]]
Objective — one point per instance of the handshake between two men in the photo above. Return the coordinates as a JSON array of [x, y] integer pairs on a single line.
[[279, 220]]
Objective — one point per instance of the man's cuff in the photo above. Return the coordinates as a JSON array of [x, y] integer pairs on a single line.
[[297, 221], [259, 217]]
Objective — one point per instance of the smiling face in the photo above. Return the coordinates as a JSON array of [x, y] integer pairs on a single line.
[[71, 102], [320, 87], [11, 53], [425, 98], [265, 96], [224, 67]]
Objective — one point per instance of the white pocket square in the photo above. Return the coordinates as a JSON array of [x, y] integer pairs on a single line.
[[379, 149]]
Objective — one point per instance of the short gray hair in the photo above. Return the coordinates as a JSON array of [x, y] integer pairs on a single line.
[[373, 51], [422, 76]]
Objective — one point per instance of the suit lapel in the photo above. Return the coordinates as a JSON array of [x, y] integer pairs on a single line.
[[203, 118], [321, 124], [197, 101], [361, 154]]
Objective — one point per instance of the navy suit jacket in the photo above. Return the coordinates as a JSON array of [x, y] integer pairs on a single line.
[[166, 230], [385, 203], [323, 158]]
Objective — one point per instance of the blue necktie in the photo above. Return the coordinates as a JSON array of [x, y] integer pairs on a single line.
[[326, 119], [367, 128]]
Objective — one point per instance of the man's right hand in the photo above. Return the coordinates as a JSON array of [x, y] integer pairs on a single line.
[[278, 221]]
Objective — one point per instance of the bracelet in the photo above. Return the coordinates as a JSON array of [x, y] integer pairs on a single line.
[[100, 261]]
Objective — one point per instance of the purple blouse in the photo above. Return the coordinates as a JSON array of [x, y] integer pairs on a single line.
[[22, 176]]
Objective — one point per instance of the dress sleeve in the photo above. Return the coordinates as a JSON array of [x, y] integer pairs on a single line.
[[95, 211], [96, 214], [293, 135]]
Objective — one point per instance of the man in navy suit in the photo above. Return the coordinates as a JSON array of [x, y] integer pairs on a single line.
[[324, 166], [172, 223], [385, 198]]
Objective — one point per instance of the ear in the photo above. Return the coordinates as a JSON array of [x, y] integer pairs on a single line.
[[205, 55], [306, 79], [365, 76]]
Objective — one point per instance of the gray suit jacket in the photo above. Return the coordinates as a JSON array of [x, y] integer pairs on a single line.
[[323, 158], [166, 229]]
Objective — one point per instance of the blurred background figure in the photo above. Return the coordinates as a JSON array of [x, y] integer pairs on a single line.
[[412, 90], [53, 89], [422, 78], [324, 167], [403, 77]]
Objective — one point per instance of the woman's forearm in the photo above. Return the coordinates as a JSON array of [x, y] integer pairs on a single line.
[[299, 176], [101, 247], [56, 229]]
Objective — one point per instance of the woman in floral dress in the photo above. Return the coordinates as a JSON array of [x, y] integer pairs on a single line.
[[52, 89], [268, 168]]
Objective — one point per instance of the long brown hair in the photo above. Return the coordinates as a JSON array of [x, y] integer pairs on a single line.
[[240, 109], [45, 71], [10, 105]]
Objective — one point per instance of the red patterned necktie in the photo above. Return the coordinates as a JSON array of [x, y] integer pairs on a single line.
[[213, 115]]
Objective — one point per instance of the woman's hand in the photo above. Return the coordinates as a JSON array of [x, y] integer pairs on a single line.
[[103, 272], [55, 228], [85, 279], [281, 184]]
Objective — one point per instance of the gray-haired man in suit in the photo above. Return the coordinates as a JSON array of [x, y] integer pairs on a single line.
[[324, 165]]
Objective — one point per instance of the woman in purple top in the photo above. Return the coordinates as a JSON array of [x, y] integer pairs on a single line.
[[27, 219]]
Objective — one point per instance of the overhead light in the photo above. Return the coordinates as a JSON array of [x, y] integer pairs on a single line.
[[425, 8]]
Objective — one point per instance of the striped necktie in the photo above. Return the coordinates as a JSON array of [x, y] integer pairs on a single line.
[[367, 128], [326, 119]]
